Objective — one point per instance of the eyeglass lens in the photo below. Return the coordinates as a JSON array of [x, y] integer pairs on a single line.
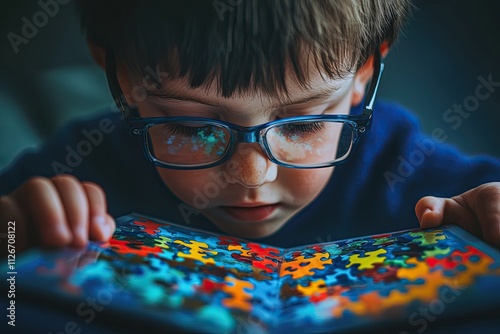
[[310, 143], [302, 143]]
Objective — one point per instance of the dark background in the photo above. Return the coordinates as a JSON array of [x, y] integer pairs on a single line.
[[445, 47]]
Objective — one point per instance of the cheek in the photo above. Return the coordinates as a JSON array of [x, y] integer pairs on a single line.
[[304, 185], [184, 184]]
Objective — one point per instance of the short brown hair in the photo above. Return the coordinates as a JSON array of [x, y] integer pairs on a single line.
[[243, 45]]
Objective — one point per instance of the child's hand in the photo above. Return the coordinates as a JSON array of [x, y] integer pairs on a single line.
[[61, 211], [477, 211]]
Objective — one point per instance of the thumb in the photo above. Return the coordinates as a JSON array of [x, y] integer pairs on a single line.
[[434, 211]]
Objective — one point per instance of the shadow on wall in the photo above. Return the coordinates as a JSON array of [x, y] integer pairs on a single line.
[[449, 49]]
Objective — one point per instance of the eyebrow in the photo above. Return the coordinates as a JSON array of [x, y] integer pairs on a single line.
[[173, 96], [324, 93]]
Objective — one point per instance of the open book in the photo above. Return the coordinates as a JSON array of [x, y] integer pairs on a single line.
[[171, 275]]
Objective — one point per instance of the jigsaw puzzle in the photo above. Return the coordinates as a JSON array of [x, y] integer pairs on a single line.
[[198, 280]]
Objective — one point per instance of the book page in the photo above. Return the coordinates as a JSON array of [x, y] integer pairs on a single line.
[[409, 276], [167, 273]]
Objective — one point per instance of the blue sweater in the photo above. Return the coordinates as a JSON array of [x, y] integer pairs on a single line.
[[375, 191]]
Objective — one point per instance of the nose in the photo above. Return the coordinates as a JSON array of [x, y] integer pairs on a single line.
[[250, 167]]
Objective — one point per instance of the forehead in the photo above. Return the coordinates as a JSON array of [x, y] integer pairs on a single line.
[[318, 88]]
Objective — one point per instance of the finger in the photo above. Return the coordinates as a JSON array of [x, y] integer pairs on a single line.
[[42, 204], [102, 225], [486, 202], [75, 206], [12, 218], [434, 211]]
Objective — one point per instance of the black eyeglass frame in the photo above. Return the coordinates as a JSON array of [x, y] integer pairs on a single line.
[[240, 134]]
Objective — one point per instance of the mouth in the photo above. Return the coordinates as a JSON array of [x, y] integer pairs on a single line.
[[250, 212]]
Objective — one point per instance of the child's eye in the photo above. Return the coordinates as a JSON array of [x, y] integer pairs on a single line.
[[191, 133], [300, 128], [183, 130]]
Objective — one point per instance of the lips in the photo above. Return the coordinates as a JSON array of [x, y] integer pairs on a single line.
[[253, 212]]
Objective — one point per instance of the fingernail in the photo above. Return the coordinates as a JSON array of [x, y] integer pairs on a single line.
[[99, 221], [111, 230], [100, 224]]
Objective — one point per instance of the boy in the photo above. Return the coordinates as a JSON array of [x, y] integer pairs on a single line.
[[254, 122]]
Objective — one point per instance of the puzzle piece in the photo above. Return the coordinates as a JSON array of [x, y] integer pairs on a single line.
[[476, 263], [266, 251], [301, 266], [225, 259], [380, 273], [354, 245], [265, 289], [425, 238], [338, 272], [128, 228], [225, 240], [264, 258], [267, 265], [446, 263], [131, 247], [287, 291], [437, 252], [385, 241], [332, 249], [208, 239], [156, 263], [399, 262], [239, 298], [371, 303], [368, 304], [434, 282], [197, 251], [331, 279], [368, 260], [150, 227], [244, 252], [163, 286], [410, 250], [331, 291], [209, 286], [163, 242], [307, 253], [314, 287], [142, 242]]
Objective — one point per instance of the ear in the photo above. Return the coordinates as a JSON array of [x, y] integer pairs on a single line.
[[98, 54], [364, 74]]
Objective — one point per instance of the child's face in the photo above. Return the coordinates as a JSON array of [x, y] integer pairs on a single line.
[[249, 196]]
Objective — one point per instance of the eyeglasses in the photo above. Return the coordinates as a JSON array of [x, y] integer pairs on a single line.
[[186, 143]]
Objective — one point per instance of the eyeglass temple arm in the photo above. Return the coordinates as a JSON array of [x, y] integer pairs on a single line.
[[114, 86], [372, 90], [115, 90]]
